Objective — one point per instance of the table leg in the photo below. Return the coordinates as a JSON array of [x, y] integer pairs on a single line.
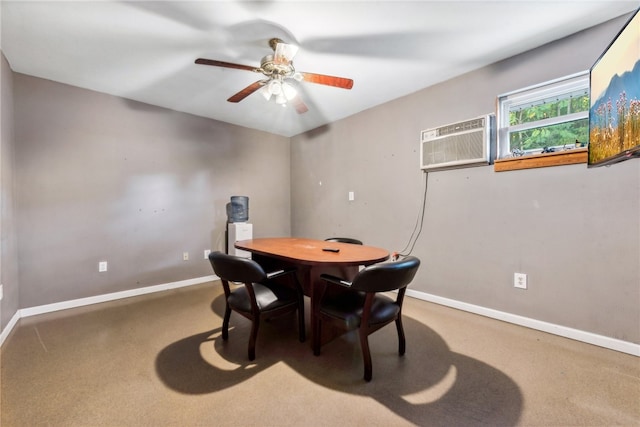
[[318, 287]]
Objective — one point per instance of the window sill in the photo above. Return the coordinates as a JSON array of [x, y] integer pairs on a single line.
[[568, 157]]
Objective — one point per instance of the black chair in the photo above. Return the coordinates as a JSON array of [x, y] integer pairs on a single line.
[[260, 298], [344, 240], [363, 308]]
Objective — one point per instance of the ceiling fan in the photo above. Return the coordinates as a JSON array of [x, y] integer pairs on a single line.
[[280, 75]]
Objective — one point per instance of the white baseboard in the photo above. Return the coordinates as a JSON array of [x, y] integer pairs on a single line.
[[7, 330], [563, 331], [64, 305]]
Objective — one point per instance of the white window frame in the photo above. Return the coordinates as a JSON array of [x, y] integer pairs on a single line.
[[531, 95]]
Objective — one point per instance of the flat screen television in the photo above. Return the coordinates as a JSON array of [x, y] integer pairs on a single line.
[[614, 113]]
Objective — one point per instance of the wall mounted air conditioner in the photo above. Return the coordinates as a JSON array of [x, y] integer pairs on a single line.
[[462, 144]]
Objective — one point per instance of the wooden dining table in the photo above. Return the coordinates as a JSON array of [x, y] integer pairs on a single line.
[[311, 258]]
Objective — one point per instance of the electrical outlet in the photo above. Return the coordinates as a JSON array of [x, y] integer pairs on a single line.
[[1, 292], [185, 256], [206, 253], [352, 196], [102, 266], [520, 280]]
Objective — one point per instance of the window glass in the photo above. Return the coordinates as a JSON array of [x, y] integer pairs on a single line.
[[563, 135], [548, 117]]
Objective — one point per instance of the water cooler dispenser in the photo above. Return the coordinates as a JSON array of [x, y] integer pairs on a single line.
[[238, 227]]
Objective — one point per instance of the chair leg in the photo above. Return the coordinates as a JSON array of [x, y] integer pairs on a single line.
[[366, 355], [225, 323], [401, 340], [255, 325]]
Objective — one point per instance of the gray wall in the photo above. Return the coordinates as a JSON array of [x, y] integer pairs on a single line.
[[8, 228], [102, 178], [574, 231]]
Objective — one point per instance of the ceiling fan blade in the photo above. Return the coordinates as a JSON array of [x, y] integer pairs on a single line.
[[323, 79], [215, 63], [301, 107], [246, 91]]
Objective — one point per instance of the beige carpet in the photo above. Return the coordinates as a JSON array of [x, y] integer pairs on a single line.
[[159, 360]]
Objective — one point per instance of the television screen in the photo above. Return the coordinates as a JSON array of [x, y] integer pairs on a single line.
[[614, 113]]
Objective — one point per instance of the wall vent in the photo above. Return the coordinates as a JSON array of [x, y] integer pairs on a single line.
[[462, 144]]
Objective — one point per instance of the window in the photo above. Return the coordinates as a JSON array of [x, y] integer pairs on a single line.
[[553, 116]]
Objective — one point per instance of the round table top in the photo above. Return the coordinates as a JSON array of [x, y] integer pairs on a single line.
[[310, 251]]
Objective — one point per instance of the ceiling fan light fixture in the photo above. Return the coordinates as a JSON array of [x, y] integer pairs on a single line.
[[266, 92], [284, 53], [281, 91], [281, 99], [275, 87], [289, 91]]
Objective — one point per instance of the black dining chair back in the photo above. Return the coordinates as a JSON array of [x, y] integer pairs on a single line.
[[260, 298], [344, 240], [364, 308]]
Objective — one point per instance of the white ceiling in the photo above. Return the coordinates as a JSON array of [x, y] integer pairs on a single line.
[[145, 50]]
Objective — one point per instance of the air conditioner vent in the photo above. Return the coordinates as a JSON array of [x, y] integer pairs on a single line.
[[466, 143], [478, 123]]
